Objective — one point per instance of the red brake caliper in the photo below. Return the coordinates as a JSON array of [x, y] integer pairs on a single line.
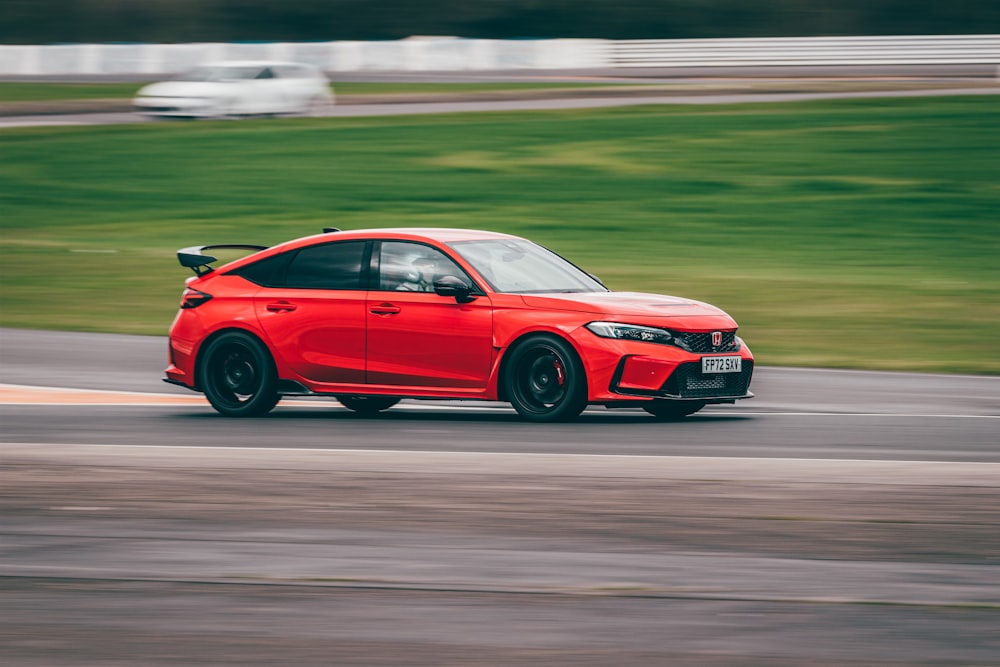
[[560, 372]]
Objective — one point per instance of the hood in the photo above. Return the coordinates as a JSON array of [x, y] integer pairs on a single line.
[[183, 89], [637, 307]]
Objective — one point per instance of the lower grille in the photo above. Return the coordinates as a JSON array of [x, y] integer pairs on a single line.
[[689, 382]]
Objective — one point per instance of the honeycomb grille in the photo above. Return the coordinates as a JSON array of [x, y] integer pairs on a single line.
[[689, 382]]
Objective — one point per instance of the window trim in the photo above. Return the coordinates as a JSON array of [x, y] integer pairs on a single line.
[[363, 281], [374, 281]]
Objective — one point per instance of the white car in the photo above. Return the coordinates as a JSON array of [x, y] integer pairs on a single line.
[[238, 88]]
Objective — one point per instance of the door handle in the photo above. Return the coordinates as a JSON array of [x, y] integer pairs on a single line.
[[281, 307], [385, 309]]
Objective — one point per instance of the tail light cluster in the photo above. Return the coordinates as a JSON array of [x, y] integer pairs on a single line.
[[193, 298]]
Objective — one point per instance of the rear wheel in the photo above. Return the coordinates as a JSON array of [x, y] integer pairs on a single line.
[[226, 109], [318, 106], [545, 380], [671, 410], [367, 405], [238, 377]]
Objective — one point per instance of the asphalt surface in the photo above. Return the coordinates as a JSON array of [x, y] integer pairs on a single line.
[[654, 91], [840, 518]]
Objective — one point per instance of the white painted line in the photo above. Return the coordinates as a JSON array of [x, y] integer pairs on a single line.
[[194, 399], [907, 415], [435, 462], [853, 371]]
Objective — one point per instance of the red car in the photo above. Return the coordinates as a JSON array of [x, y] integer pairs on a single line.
[[370, 317]]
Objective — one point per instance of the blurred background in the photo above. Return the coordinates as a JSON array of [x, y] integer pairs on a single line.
[[850, 233], [48, 21]]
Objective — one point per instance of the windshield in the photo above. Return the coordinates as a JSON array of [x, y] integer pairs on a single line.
[[522, 267], [224, 73]]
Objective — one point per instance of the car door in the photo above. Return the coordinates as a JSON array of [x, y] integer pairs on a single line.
[[264, 92], [316, 319], [297, 88], [417, 338]]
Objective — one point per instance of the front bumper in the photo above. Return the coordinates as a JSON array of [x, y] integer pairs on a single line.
[[178, 107], [623, 371], [653, 378]]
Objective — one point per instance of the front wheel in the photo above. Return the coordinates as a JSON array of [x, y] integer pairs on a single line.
[[238, 377], [671, 410], [367, 406], [545, 380]]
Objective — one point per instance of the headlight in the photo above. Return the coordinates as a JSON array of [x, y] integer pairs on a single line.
[[631, 332]]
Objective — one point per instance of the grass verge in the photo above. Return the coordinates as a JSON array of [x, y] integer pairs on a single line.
[[30, 91], [858, 233]]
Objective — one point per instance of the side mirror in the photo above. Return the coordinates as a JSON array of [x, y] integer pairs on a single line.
[[454, 286]]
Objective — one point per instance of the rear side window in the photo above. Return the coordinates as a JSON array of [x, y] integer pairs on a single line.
[[268, 272], [328, 266]]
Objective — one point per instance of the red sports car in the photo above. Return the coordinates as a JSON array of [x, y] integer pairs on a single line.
[[374, 316]]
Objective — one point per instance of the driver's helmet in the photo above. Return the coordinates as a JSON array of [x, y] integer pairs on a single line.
[[424, 260], [423, 270]]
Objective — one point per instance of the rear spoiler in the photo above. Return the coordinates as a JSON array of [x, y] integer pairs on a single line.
[[195, 259]]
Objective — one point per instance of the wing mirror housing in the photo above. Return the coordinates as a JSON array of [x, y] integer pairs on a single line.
[[455, 287]]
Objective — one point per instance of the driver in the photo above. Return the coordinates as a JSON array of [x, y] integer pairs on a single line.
[[421, 279]]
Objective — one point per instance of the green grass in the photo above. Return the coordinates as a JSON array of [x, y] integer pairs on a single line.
[[859, 234], [17, 91]]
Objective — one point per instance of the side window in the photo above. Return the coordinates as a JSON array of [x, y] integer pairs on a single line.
[[328, 266], [267, 272], [413, 267]]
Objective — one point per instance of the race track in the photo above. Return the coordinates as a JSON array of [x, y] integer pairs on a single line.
[[840, 518], [738, 94]]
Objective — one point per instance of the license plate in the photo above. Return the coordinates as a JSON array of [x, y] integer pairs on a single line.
[[721, 364]]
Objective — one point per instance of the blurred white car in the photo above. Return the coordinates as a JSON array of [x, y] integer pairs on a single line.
[[238, 88]]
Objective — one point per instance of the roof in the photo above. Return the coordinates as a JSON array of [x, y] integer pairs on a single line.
[[439, 234], [254, 63]]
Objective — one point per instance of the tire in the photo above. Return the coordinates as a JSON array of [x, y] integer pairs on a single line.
[[545, 380], [672, 410], [317, 107], [238, 376], [226, 110], [367, 406]]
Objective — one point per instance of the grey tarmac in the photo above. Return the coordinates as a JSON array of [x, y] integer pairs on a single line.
[[842, 518]]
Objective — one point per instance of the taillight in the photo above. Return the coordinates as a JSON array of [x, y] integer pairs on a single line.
[[192, 298]]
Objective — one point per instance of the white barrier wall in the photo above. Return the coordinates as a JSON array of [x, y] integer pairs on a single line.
[[454, 54], [802, 51]]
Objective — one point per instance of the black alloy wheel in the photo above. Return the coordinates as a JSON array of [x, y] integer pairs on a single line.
[[545, 380], [367, 406], [238, 375], [672, 410]]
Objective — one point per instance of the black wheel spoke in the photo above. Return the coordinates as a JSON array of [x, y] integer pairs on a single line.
[[545, 380], [238, 375]]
